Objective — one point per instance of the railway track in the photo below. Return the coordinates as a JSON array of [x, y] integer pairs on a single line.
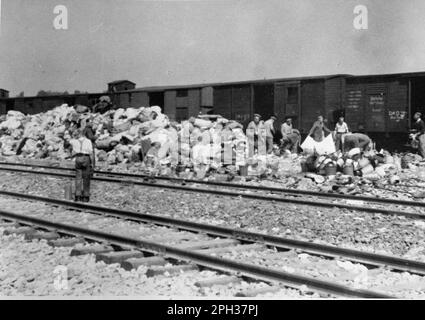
[[212, 239], [301, 197]]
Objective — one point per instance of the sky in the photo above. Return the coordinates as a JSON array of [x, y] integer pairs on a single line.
[[185, 42]]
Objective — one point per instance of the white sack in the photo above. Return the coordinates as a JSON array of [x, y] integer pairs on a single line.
[[132, 113], [327, 146], [10, 124], [308, 145]]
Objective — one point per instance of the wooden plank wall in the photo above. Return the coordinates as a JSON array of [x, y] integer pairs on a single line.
[[397, 107], [2, 107], [170, 104], [312, 103], [194, 102], [264, 100], [354, 106], [223, 101], [241, 104], [207, 97], [139, 99], [334, 103]]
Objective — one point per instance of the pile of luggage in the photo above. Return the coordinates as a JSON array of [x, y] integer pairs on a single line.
[[142, 136]]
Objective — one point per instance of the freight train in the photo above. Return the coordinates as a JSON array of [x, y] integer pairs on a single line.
[[381, 106]]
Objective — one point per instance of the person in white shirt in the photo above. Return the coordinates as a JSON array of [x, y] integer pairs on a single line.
[[82, 150], [341, 128], [270, 131], [256, 134], [290, 136]]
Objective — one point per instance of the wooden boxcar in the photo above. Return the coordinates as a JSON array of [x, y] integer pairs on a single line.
[[379, 105]]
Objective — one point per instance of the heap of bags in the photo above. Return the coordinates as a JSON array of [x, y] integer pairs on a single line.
[[323, 159], [35, 136], [148, 139], [143, 136], [370, 165]]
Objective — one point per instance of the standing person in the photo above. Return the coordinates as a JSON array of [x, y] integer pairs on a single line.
[[341, 128], [318, 130], [418, 130], [90, 134], [82, 150], [290, 136], [270, 132], [255, 134]]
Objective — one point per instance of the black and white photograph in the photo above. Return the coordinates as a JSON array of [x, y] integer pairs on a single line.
[[217, 150]]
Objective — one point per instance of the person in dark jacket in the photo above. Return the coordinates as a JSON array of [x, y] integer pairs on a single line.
[[318, 130], [418, 131]]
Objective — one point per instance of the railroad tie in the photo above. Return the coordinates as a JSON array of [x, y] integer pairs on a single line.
[[222, 281], [245, 247], [91, 249], [118, 256], [39, 235], [170, 270], [208, 244], [134, 263], [172, 237], [19, 230], [69, 242]]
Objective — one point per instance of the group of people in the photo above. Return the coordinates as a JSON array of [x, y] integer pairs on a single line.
[[343, 138], [264, 134], [261, 135]]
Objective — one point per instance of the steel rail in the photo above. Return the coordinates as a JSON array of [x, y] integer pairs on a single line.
[[363, 207], [226, 265], [239, 186], [391, 262]]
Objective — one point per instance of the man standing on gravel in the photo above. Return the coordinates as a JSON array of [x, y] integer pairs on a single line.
[[270, 131], [82, 150], [90, 134]]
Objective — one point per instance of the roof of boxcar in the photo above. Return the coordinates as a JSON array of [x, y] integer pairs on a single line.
[[323, 77], [217, 84], [247, 82], [390, 75]]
